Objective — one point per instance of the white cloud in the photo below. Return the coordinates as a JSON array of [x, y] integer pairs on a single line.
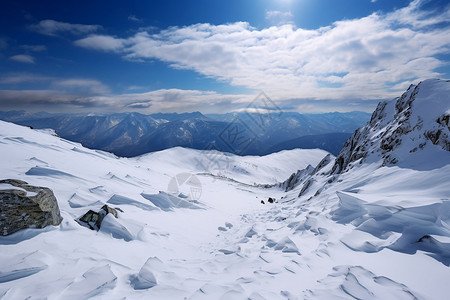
[[23, 58], [20, 97], [359, 58], [102, 42], [164, 100], [175, 100], [16, 78], [53, 28], [412, 15], [134, 18], [91, 86], [276, 17]]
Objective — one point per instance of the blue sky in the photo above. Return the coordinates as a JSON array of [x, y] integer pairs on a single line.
[[216, 56]]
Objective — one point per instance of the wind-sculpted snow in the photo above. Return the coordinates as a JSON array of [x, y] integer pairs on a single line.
[[40, 171], [111, 226], [77, 201], [122, 200], [401, 229], [145, 278], [92, 283], [355, 282], [167, 202], [23, 265], [359, 226]]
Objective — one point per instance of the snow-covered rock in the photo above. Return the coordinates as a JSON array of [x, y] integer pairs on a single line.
[[401, 129], [25, 206]]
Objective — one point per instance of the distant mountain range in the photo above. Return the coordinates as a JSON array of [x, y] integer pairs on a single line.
[[132, 134]]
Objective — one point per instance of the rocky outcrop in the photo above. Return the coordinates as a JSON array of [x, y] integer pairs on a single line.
[[93, 220], [440, 135], [24, 206], [296, 178], [406, 132], [402, 126]]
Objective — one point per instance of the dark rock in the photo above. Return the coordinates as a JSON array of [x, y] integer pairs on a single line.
[[262, 201], [425, 237], [27, 207], [109, 210], [270, 200], [296, 178], [93, 220], [306, 186]]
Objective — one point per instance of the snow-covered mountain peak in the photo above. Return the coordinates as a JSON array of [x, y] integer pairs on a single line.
[[401, 129]]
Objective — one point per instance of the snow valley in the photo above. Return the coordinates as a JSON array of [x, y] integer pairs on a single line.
[[371, 223]]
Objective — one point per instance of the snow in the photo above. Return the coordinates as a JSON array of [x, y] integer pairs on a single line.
[[376, 232], [7, 186]]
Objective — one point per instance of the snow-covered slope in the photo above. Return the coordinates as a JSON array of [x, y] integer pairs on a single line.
[[269, 169], [373, 223], [78, 263], [388, 196]]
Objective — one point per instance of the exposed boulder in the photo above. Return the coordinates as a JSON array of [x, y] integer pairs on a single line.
[[24, 206], [93, 220]]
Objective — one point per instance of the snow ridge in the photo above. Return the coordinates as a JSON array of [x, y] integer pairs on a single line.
[[400, 129]]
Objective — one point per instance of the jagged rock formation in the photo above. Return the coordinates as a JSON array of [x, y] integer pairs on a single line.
[[305, 176], [397, 134], [296, 178], [24, 206], [401, 126]]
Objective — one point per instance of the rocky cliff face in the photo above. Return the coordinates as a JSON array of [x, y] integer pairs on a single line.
[[401, 129], [411, 131], [24, 206]]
